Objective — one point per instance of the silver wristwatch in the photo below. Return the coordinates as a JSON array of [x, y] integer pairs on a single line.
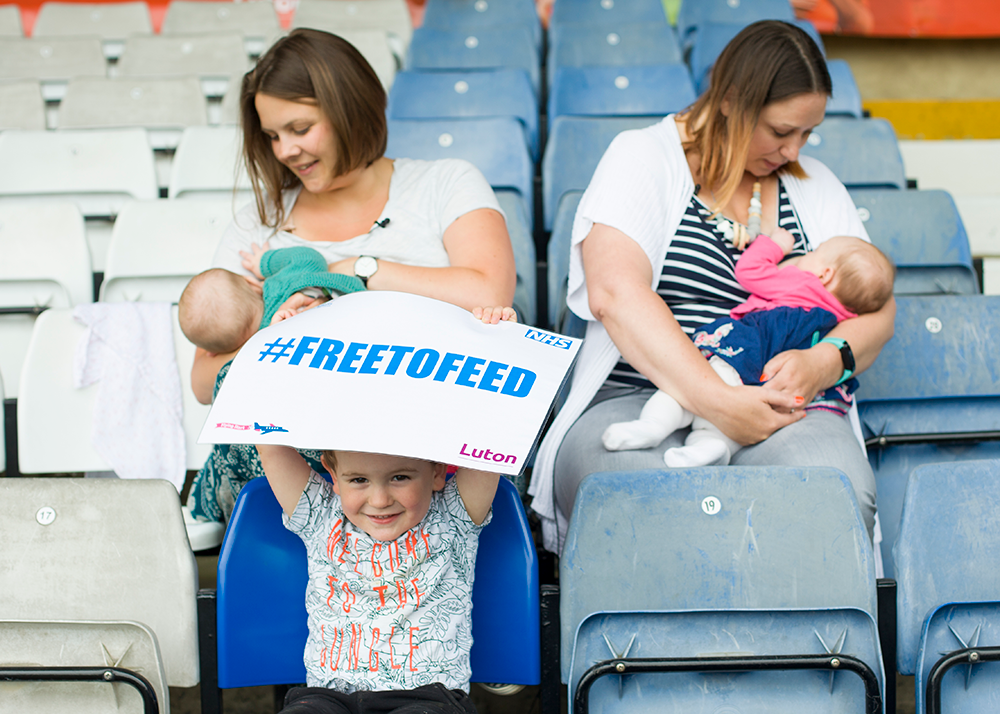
[[365, 267]]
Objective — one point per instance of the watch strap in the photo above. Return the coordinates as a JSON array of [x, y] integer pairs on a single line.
[[846, 357]]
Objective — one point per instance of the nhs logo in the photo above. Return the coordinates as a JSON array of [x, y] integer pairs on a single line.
[[547, 338]]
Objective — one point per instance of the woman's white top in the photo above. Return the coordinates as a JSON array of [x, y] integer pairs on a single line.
[[641, 187], [425, 197]]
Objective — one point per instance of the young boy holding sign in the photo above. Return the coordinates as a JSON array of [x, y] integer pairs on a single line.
[[391, 546]]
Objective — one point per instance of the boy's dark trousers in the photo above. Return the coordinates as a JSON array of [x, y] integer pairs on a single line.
[[429, 699]]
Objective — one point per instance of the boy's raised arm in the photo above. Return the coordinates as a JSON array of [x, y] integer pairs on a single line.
[[477, 489], [287, 474]]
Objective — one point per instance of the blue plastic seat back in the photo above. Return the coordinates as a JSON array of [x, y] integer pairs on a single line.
[[894, 464], [467, 95], [923, 234], [558, 258], [863, 153], [704, 45], [846, 97], [727, 633], [261, 596], [938, 375], [605, 13], [478, 48], [261, 611], [574, 148], [943, 347], [484, 14], [964, 688], [495, 146], [714, 538], [652, 90], [694, 13], [523, 242], [618, 45], [946, 552]]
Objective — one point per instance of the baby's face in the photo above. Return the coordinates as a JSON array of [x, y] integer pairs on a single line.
[[383, 495]]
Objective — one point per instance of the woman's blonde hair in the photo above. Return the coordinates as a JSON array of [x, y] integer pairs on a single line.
[[315, 67], [766, 62]]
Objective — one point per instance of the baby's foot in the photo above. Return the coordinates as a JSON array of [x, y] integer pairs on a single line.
[[637, 434], [709, 452]]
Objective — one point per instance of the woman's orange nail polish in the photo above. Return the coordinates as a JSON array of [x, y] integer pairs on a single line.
[[763, 377], [799, 400]]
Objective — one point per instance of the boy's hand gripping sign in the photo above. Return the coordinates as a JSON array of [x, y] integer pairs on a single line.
[[394, 373]]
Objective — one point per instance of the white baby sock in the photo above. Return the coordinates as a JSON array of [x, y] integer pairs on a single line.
[[707, 452]]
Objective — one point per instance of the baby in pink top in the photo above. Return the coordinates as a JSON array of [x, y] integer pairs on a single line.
[[793, 303]]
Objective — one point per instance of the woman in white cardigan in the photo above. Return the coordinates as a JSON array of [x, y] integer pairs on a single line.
[[652, 257]]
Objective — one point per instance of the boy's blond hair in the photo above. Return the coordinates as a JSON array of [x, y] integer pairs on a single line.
[[865, 276], [218, 310]]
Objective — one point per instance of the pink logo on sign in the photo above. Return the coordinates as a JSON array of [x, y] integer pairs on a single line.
[[230, 425]]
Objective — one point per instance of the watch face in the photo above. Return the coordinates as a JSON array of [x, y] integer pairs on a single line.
[[365, 266]]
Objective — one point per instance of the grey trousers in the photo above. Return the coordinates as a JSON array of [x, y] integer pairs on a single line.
[[821, 439]]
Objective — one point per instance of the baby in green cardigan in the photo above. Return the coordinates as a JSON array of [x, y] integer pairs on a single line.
[[219, 310]]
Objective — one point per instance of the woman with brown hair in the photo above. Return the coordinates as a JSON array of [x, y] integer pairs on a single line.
[[314, 138], [655, 241]]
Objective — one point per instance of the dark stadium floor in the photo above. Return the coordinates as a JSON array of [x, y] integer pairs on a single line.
[[260, 700]]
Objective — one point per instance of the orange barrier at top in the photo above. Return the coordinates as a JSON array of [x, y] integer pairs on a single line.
[[936, 18]]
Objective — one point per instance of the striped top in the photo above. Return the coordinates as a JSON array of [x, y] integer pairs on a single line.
[[698, 274]]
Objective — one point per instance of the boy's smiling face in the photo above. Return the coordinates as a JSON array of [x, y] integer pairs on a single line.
[[383, 495]]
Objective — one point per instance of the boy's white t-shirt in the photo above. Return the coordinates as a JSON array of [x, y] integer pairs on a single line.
[[387, 615], [425, 197]]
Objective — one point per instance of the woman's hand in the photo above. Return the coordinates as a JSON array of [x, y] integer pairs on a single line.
[[804, 373], [251, 260], [751, 414]]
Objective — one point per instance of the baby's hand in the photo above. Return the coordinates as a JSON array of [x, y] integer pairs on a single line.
[[251, 260], [493, 315], [296, 303], [282, 315], [783, 239]]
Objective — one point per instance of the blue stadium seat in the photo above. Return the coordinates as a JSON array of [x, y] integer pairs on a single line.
[[695, 13], [949, 599], [863, 153], [652, 90], [846, 97], [922, 232], [496, 147], [703, 47], [490, 47], [604, 13], [558, 258], [466, 15], [575, 146], [668, 575], [619, 45], [468, 94], [262, 563], [933, 395]]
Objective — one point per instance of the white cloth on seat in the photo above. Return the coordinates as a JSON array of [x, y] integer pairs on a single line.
[[137, 424]]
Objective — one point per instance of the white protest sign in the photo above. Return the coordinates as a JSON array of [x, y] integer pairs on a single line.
[[394, 373]]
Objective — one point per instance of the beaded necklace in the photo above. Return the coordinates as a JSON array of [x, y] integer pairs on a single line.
[[738, 234]]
